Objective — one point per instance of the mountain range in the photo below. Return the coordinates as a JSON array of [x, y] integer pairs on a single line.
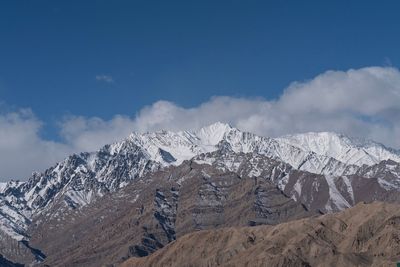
[[133, 197]]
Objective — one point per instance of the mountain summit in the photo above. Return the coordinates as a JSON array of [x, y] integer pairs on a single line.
[[323, 171], [348, 150]]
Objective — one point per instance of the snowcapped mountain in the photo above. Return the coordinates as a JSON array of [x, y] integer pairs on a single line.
[[82, 178], [324, 153], [351, 151]]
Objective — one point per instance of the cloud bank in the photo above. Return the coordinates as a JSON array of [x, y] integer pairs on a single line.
[[21, 148], [362, 103]]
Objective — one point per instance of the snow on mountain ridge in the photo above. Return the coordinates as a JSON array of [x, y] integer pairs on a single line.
[[213, 134], [182, 145], [354, 151], [325, 152], [80, 178], [299, 150]]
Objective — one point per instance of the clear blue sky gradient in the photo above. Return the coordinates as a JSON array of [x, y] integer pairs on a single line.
[[181, 51]]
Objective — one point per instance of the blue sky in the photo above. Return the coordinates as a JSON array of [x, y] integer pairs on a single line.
[[182, 51], [69, 69]]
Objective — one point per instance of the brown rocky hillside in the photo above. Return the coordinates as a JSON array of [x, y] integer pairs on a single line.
[[365, 235]]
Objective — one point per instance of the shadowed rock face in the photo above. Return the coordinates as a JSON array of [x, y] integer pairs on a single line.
[[151, 212], [79, 212], [236, 189], [365, 235], [18, 251], [6, 263]]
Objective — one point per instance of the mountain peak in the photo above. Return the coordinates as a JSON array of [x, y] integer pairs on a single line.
[[332, 134], [213, 133], [79, 179], [350, 150], [319, 138]]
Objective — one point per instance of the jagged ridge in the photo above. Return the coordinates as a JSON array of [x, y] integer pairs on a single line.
[[82, 178]]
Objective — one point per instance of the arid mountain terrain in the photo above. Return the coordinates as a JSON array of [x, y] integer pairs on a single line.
[[150, 213], [134, 197], [364, 235]]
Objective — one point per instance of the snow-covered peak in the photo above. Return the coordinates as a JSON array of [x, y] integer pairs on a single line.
[[354, 151], [309, 151], [80, 178], [182, 145], [213, 134]]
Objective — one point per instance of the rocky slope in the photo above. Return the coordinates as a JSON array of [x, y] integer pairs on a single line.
[[153, 211], [326, 172], [325, 193], [365, 235]]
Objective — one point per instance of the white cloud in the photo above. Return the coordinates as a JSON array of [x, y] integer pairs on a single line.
[[89, 134], [21, 148], [363, 102], [104, 78]]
